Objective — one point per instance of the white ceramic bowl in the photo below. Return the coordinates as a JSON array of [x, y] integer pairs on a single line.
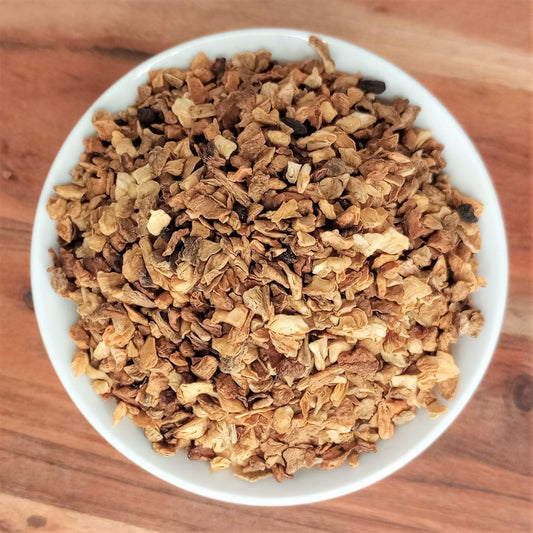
[[55, 314]]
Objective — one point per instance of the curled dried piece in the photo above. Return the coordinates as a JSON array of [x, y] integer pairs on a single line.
[[268, 264]]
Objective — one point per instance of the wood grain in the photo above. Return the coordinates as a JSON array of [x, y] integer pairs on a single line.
[[56, 57]]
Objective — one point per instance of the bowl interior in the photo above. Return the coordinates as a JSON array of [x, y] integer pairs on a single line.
[[55, 314]]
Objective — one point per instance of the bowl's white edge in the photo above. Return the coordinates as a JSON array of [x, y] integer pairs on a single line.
[[106, 432]]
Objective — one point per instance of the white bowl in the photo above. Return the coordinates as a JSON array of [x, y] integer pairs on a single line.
[[55, 314]]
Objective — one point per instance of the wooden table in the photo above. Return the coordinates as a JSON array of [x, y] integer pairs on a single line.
[[57, 474]]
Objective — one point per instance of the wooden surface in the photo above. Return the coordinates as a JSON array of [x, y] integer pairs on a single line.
[[57, 56]]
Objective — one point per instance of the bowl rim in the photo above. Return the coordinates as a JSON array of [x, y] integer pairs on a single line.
[[107, 432]]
